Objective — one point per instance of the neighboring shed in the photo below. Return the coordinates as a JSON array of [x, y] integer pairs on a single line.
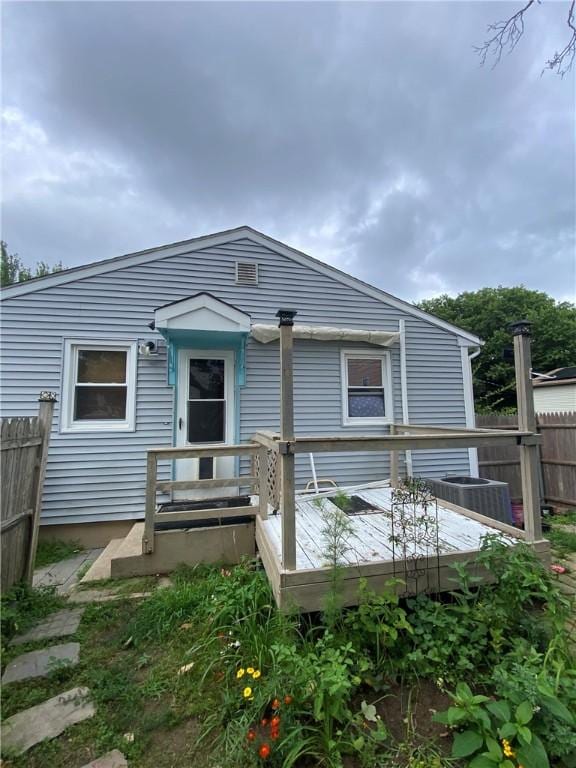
[[556, 394]]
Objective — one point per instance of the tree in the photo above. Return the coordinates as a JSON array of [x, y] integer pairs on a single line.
[[12, 270], [504, 36], [488, 313]]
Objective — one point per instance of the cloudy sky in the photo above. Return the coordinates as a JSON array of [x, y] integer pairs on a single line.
[[363, 133]]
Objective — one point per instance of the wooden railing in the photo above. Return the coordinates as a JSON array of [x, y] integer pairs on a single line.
[[257, 482], [402, 437]]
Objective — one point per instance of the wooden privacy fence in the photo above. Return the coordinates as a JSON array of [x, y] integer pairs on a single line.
[[23, 456], [557, 456]]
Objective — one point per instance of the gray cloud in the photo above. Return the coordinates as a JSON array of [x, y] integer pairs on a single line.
[[365, 134]]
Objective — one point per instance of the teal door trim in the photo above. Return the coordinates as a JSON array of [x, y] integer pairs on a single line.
[[224, 340]]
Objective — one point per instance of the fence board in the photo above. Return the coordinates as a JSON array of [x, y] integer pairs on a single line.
[[557, 455], [24, 444]]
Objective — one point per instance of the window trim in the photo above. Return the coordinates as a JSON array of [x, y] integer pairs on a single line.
[[69, 372], [385, 361]]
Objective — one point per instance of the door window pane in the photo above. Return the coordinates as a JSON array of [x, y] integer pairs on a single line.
[[99, 403], [101, 366], [206, 468], [206, 421], [206, 380]]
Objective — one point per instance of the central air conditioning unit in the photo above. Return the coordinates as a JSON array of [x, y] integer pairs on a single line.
[[488, 497]]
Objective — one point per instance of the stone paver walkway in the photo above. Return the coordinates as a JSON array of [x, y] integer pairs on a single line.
[[41, 663], [113, 759], [59, 624], [64, 574], [46, 721]]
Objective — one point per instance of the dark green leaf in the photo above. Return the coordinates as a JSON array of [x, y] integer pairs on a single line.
[[500, 710], [524, 713], [466, 743], [533, 755]]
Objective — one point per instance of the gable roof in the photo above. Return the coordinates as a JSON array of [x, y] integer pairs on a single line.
[[218, 238]]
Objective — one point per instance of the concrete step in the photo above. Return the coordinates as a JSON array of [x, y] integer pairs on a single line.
[[100, 568], [131, 545]]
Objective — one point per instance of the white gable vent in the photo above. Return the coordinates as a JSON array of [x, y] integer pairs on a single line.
[[247, 273]]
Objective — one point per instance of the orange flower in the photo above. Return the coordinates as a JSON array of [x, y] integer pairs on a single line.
[[264, 721], [275, 734], [251, 735], [275, 722], [288, 699], [264, 751], [276, 704]]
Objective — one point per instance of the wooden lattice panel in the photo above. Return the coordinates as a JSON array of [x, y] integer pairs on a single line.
[[272, 475]]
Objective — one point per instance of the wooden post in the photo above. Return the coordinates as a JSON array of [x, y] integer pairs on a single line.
[[263, 482], [45, 413], [527, 423], [287, 500], [393, 462], [150, 512]]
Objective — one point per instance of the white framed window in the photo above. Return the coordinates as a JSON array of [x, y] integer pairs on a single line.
[[366, 387], [98, 386]]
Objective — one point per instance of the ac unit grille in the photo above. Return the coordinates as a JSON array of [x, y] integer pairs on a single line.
[[247, 273]]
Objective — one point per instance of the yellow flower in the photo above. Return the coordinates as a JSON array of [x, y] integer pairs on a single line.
[[247, 692], [250, 670], [256, 674], [240, 673]]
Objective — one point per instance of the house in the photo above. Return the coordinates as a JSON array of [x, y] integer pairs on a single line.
[[176, 345], [556, 391]]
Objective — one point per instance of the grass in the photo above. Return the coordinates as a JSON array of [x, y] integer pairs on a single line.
[[563, 540], [163, 674], [136, 690], [53, 550], [22, 607]]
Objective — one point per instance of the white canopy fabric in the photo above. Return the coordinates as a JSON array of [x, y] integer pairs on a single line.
[[267, 333]]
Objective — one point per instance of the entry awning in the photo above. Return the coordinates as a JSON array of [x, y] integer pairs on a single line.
[[267, 333]]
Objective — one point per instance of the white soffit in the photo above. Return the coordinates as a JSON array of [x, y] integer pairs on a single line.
[[201, 313]]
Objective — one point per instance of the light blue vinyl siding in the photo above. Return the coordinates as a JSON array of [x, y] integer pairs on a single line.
[[101, 476]]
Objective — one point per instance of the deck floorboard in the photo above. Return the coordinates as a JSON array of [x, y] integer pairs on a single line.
[[370, 539]]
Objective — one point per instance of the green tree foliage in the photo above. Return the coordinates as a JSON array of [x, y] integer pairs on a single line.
[[12, 270], [488, 313]]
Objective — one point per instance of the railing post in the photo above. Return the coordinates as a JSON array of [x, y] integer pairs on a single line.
[[150, 513], [263, 482], [45, 413], [393, 462], [287, 500], [527, 423]]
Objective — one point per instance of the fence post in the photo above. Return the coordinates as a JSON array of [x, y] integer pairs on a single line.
[[527, 423], [45, 413], [287, 500]]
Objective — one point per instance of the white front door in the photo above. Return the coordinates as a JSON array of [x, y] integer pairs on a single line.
[[205, 416]]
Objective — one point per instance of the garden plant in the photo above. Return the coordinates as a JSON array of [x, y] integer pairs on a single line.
[[482, 677]]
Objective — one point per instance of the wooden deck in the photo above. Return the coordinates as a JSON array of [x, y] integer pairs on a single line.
[[370, 554]]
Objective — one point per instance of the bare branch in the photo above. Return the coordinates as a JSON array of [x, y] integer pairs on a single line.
[[562, 61], [506, 34], [505, 38]]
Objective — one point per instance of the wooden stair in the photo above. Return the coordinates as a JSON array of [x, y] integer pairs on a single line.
[[123, 558]]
